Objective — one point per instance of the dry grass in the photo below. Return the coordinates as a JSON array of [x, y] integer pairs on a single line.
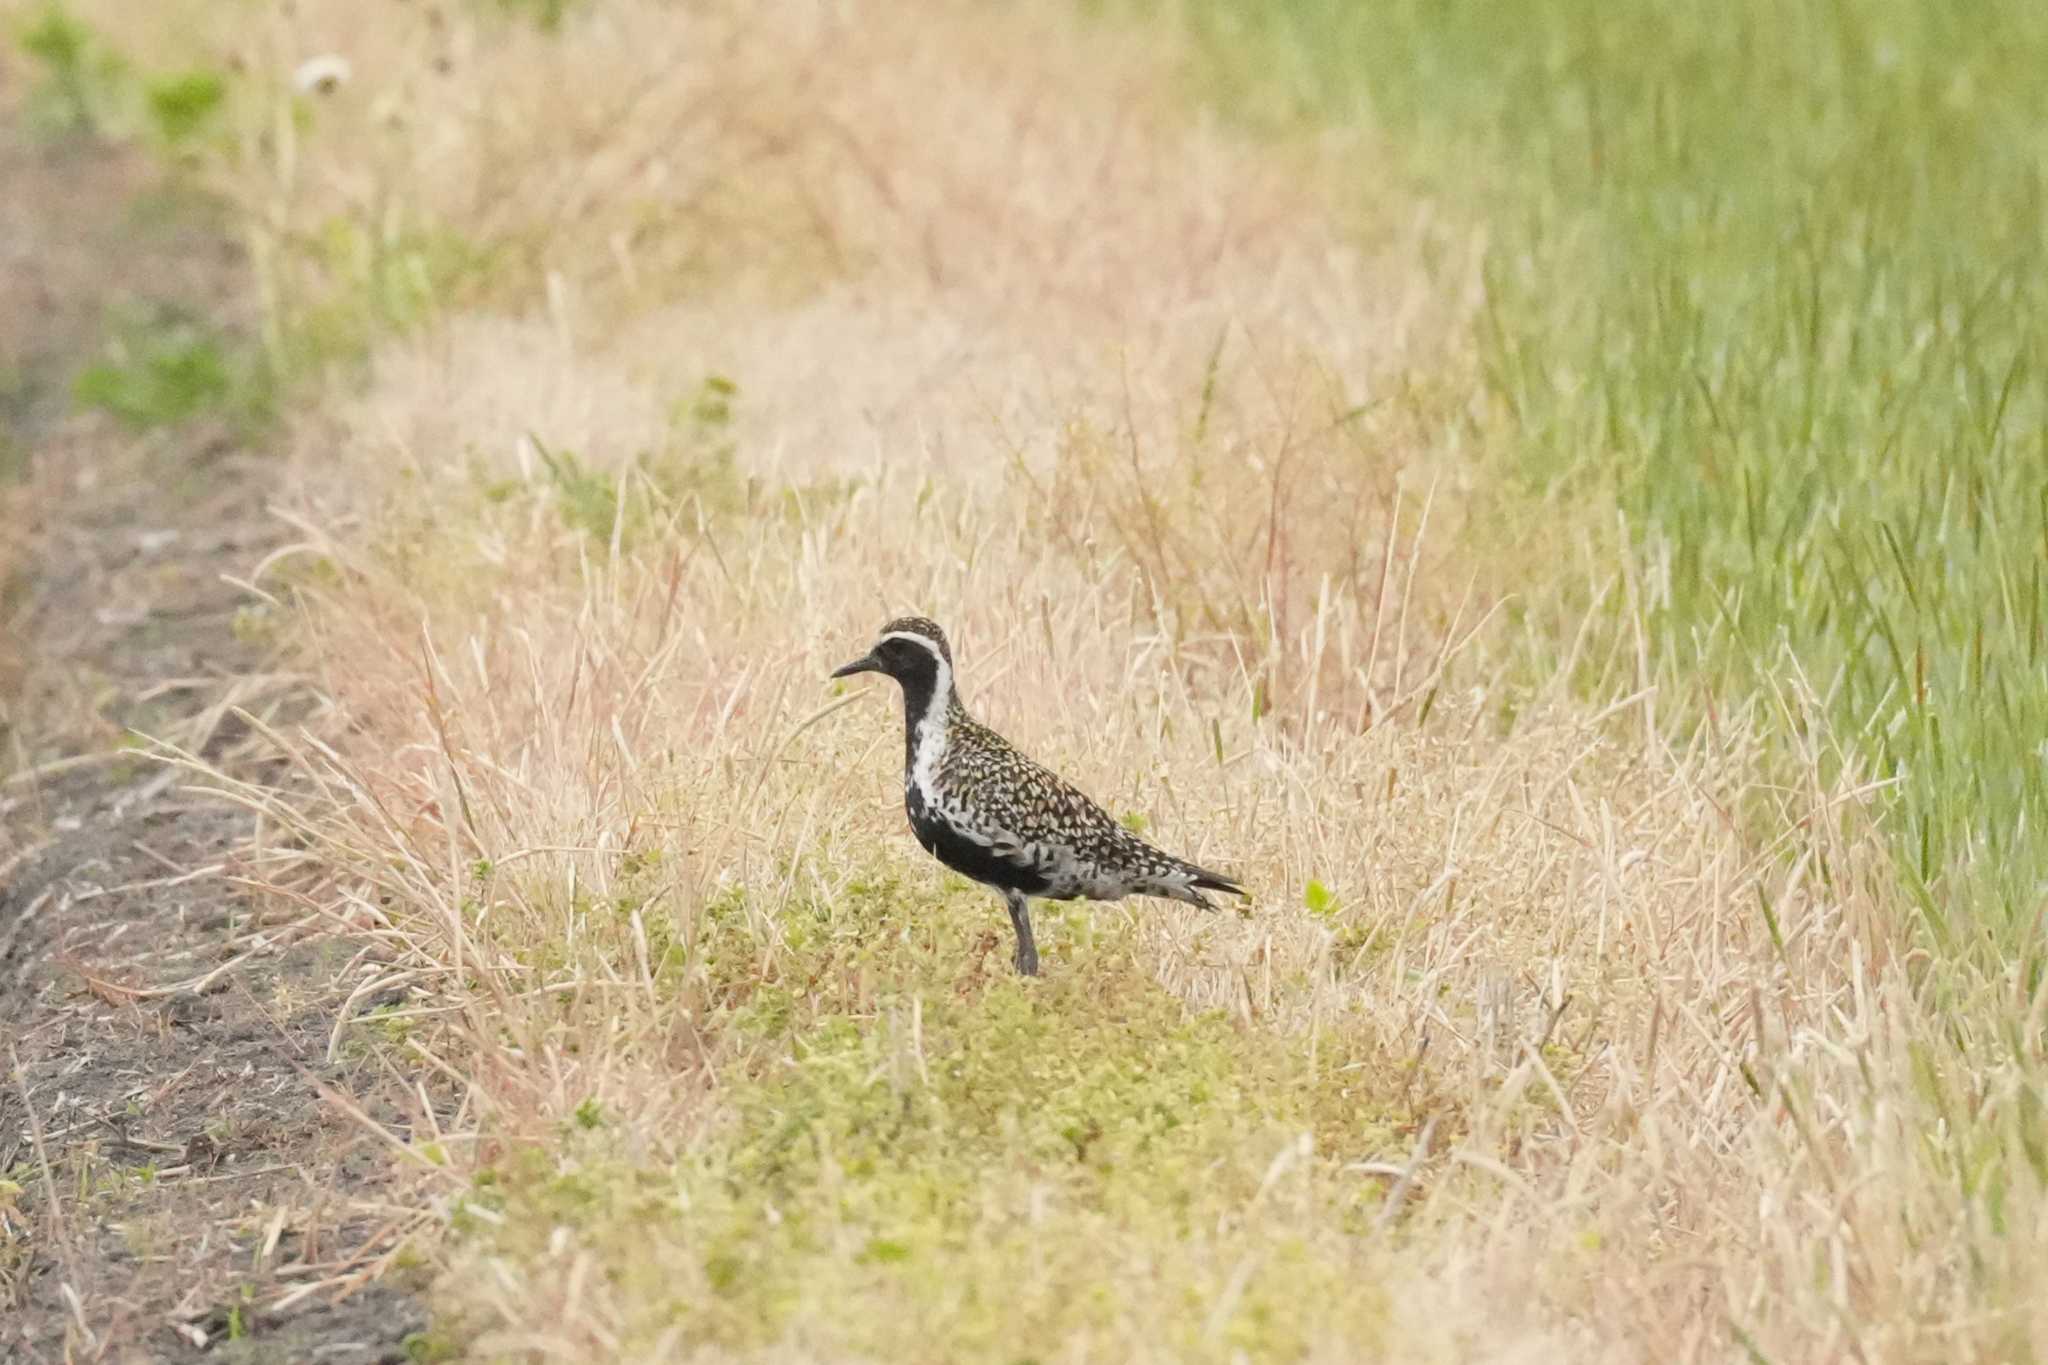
[[1548, 1036]]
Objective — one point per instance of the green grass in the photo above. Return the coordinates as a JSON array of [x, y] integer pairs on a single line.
[[1770, 277], [897, 1140]]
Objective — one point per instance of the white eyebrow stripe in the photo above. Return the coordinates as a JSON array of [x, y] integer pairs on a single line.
[[912, 635]]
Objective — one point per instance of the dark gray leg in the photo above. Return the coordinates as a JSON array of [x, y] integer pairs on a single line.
[[1020, 919]]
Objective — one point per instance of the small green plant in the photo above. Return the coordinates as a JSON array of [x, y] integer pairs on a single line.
[[348, 283], [589, 497], [546, 15], [431, 1347], [169, 369], [165, 383], [693, 472], [710, 408], [254, 624], [699, 462], [80, 74], [884, 1251], [1319, 899], [183, 106]]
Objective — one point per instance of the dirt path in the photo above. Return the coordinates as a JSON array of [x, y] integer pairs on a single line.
[[172, 1183]]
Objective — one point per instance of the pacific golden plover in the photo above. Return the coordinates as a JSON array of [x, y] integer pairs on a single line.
[[988, 812]]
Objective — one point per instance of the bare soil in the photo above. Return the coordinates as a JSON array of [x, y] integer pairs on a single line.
[[180, 1175]]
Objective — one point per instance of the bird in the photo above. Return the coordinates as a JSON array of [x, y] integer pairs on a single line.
[[982, 808]]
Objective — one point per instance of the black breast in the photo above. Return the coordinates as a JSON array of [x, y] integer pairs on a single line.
[[970, 859]]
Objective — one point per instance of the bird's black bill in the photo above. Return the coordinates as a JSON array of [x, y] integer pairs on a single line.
[[864, 664]]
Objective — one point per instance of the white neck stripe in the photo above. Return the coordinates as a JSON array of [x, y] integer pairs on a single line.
[[928, 737]]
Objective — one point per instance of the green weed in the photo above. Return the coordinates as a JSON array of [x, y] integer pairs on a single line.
[[589, 497], [184, 106], [80, 77], [347, 284], [546, 15], [432, 1347], [166, 368]]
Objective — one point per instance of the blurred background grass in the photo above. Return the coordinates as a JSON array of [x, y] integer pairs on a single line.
[[1772, 273]]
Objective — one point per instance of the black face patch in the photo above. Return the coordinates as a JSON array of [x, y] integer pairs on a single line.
[[906, 656], [913, 666]]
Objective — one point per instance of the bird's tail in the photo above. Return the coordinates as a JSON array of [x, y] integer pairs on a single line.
[[1216, 881], [1202, 879]]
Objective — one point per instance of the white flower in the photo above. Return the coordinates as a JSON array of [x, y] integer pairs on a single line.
[[321, 75]]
